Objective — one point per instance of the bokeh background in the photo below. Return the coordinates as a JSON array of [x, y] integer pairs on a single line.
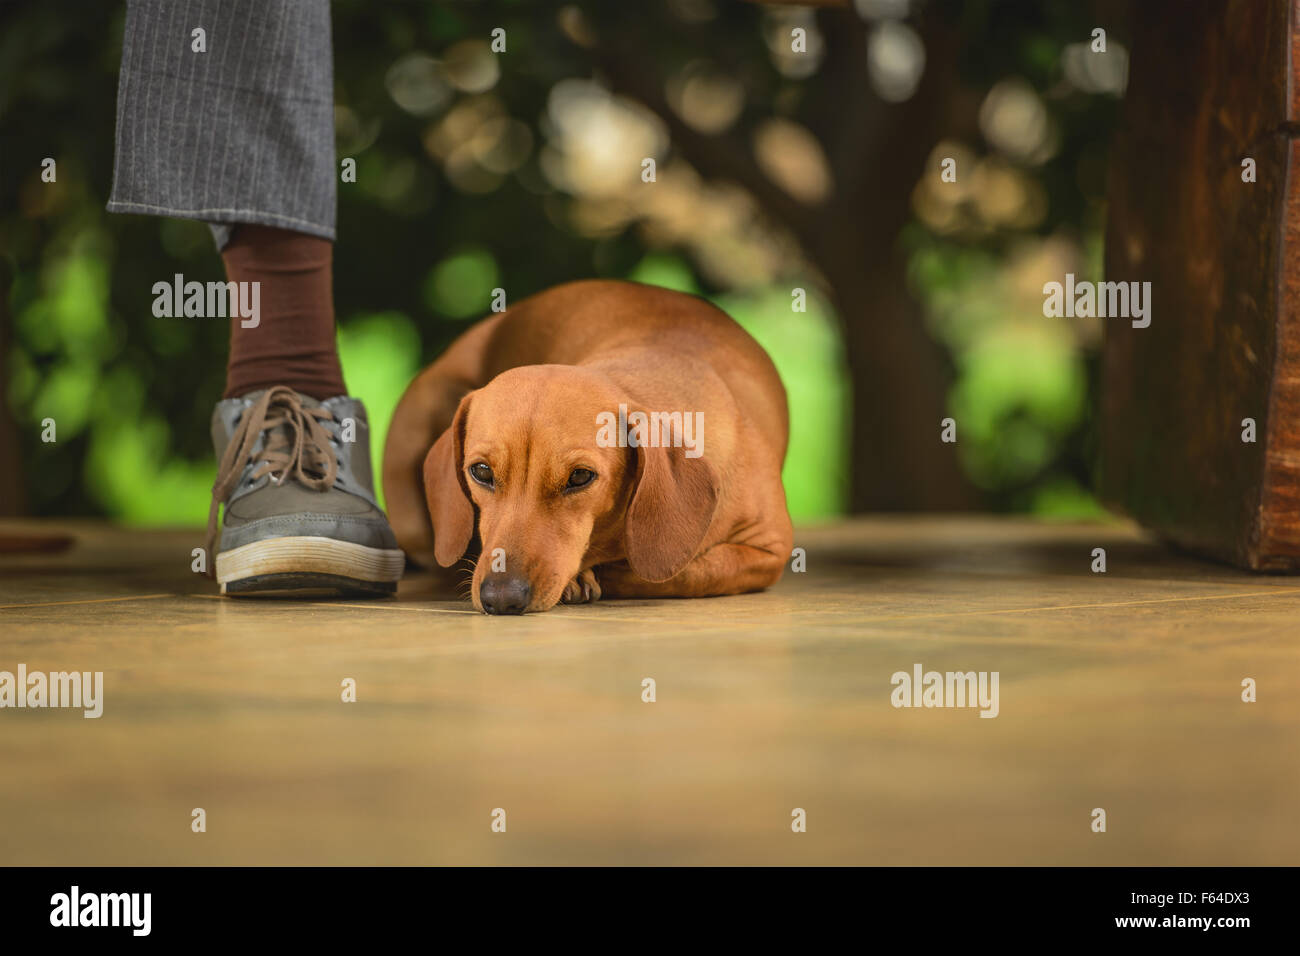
[[776, 170]]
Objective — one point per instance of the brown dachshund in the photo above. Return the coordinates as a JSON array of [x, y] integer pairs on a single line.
[[615, 439]]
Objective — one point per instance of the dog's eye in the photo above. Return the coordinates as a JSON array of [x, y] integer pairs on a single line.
[[481, 473], [579, 478]]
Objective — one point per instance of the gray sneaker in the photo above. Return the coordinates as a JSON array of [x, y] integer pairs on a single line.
[[300, 509]]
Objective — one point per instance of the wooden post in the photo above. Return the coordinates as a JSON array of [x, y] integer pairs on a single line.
[[1210, 87]]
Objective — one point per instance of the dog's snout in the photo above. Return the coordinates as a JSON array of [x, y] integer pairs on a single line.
[[505, 593]]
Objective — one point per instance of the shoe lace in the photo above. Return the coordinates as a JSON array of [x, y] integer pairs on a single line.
[[299, 447]]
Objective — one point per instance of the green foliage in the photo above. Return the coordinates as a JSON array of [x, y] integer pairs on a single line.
[[1021, 389], [420, 249], [461, 285], [380, 355]]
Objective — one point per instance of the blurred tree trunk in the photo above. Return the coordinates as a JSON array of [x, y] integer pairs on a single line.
[[900, 374], [899, 381]]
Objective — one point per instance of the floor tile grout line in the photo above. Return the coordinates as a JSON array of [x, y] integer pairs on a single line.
[[395, 607], [132, 597], [871, 620], [866, 619], [1076, 607]]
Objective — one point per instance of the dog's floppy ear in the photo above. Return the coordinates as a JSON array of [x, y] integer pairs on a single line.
[[672, 508], [445, 491]]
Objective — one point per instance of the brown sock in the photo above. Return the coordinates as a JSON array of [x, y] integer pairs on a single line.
[[293, 342]]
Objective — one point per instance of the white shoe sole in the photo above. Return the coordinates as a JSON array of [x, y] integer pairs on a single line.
[[308, 563]]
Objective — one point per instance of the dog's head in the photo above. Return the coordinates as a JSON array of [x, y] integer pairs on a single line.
[[552, 497]]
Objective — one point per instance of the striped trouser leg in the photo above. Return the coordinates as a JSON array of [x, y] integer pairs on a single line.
[[242, 131]]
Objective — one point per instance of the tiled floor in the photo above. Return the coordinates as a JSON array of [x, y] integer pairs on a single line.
[[1119, 690]]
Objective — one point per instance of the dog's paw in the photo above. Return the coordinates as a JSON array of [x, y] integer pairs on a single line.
[[584, 589]]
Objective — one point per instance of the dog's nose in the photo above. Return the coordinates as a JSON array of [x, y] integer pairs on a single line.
[[505, 594]]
